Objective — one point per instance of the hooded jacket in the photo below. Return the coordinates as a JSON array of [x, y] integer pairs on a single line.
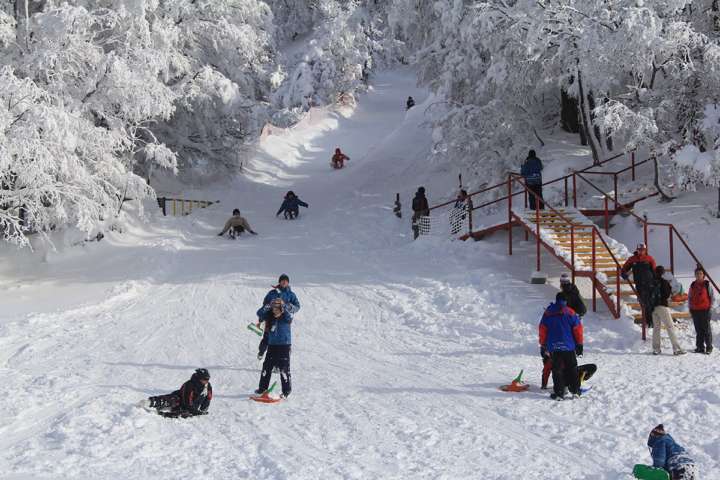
[[290, 204], [194, 396], [666, 453], [531, 170], [560, 328]]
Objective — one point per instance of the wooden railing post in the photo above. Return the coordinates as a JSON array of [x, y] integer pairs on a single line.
[[509, 182], [572, 251], [615, 186], [607, 218], [618, 292], [574, 190], [566, 192], [645, 232], [632, 162]]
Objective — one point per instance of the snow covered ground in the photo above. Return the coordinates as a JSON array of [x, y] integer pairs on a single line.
[[398, 350]]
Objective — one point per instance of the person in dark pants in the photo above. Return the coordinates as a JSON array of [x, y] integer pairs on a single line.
[[193, 398], [279, 343], [669, 455], [643, 271], [531, 171], [574, 300], [700, 301], [421, 208], [291, 206], [561, 335], [236, 225], [410, 103], [291, 304]]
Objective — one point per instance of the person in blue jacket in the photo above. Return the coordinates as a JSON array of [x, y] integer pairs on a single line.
[[278, 323], [291, 206], [291, 305], [667, 454], [531, 171], [561, 337]]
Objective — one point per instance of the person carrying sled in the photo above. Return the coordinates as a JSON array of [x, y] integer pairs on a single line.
[[291, 305], [700, 300], [421, 208], [561, 337], [661, 316], [531, 171], [339, 159], [410, 103], [236, 225], [193, 398], [278, 321], [643, 272], [291, 206], [668, 457]]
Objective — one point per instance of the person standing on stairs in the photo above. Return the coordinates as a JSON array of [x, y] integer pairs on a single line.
[[561, 336], [421, 208], [531, 171], [661, 315], [643, 271], [700, 301]]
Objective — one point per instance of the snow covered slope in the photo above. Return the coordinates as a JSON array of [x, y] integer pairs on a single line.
[[398, 349]]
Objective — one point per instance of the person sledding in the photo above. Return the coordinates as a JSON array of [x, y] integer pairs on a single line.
[[291, 206], [561, 336], [670, 460], [643, 271], [236, 225], [278, 323], [193, 397], [291, 305], [339, 159]]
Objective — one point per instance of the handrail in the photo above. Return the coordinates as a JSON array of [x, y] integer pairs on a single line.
[[698, 262], [521, 180]]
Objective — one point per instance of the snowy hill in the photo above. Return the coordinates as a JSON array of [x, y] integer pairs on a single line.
[[398, 349]]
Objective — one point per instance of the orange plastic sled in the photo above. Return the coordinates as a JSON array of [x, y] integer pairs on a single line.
[[516, 385], [264, 398]]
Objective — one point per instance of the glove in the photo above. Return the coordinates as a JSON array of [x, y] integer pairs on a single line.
[[543, 352], [579, 350], [624, 276]]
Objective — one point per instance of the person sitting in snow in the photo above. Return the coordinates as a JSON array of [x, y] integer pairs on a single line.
[[291, 206], [193, 398], [667, 455], [561, 336], [339, 159], [291, 305], [410, 103], [236, 225]]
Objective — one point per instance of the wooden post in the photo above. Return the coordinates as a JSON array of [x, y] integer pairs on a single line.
[[566, 191], [509, 214], [572, 251], [617, 291], [174, 207], [163, 200], [607, 218], [574, 191], [615, 186]]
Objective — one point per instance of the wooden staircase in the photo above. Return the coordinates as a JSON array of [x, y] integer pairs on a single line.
[[579, 244]]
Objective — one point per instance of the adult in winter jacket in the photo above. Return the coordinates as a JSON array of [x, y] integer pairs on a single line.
[[410, 103], [279, 320], [421, 208], [700, 301], [661, 314], [459, 212], [643, 271], [574, 300], [669, 455], [236, 225], [561, 336], [193, 398], [339, 159], [291, 305], [531, 171], [291, 206]]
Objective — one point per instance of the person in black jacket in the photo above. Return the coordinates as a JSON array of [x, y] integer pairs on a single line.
[[193, 398], [421, 208], [291, 206], [410, 103], [659, 295], [574, 300]]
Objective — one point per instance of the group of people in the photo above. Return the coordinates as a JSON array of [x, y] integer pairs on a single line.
[[236, 225]]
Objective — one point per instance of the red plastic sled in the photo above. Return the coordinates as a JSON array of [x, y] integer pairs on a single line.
[[516, 385], [264, 398]]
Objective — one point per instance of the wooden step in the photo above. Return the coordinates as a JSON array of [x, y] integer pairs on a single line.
[[636, 305]]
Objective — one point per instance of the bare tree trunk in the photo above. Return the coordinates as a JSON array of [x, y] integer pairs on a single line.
[[664, 197], [569, 117], [586, 121]]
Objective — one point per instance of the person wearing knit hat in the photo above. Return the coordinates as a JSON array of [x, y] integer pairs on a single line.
[[669, 458], [291, 305], [574, 300]]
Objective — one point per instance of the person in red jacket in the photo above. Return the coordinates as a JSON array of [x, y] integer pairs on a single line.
[[700, 301], [643, 270], [338, 160]]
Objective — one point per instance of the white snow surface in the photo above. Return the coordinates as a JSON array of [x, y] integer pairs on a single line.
[[398, 350]]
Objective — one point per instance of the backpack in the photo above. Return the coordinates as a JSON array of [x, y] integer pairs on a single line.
[[655, 294]]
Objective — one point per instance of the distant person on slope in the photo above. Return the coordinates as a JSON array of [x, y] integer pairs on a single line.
[[193, 398], [661, 315], [643, 271], [278, 322], [668, 456], [531, 171], [236, 225], [291, 305], [421, 208], [339, 159], [410, 103], [561, 336], [700, 301], [291, 206]]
